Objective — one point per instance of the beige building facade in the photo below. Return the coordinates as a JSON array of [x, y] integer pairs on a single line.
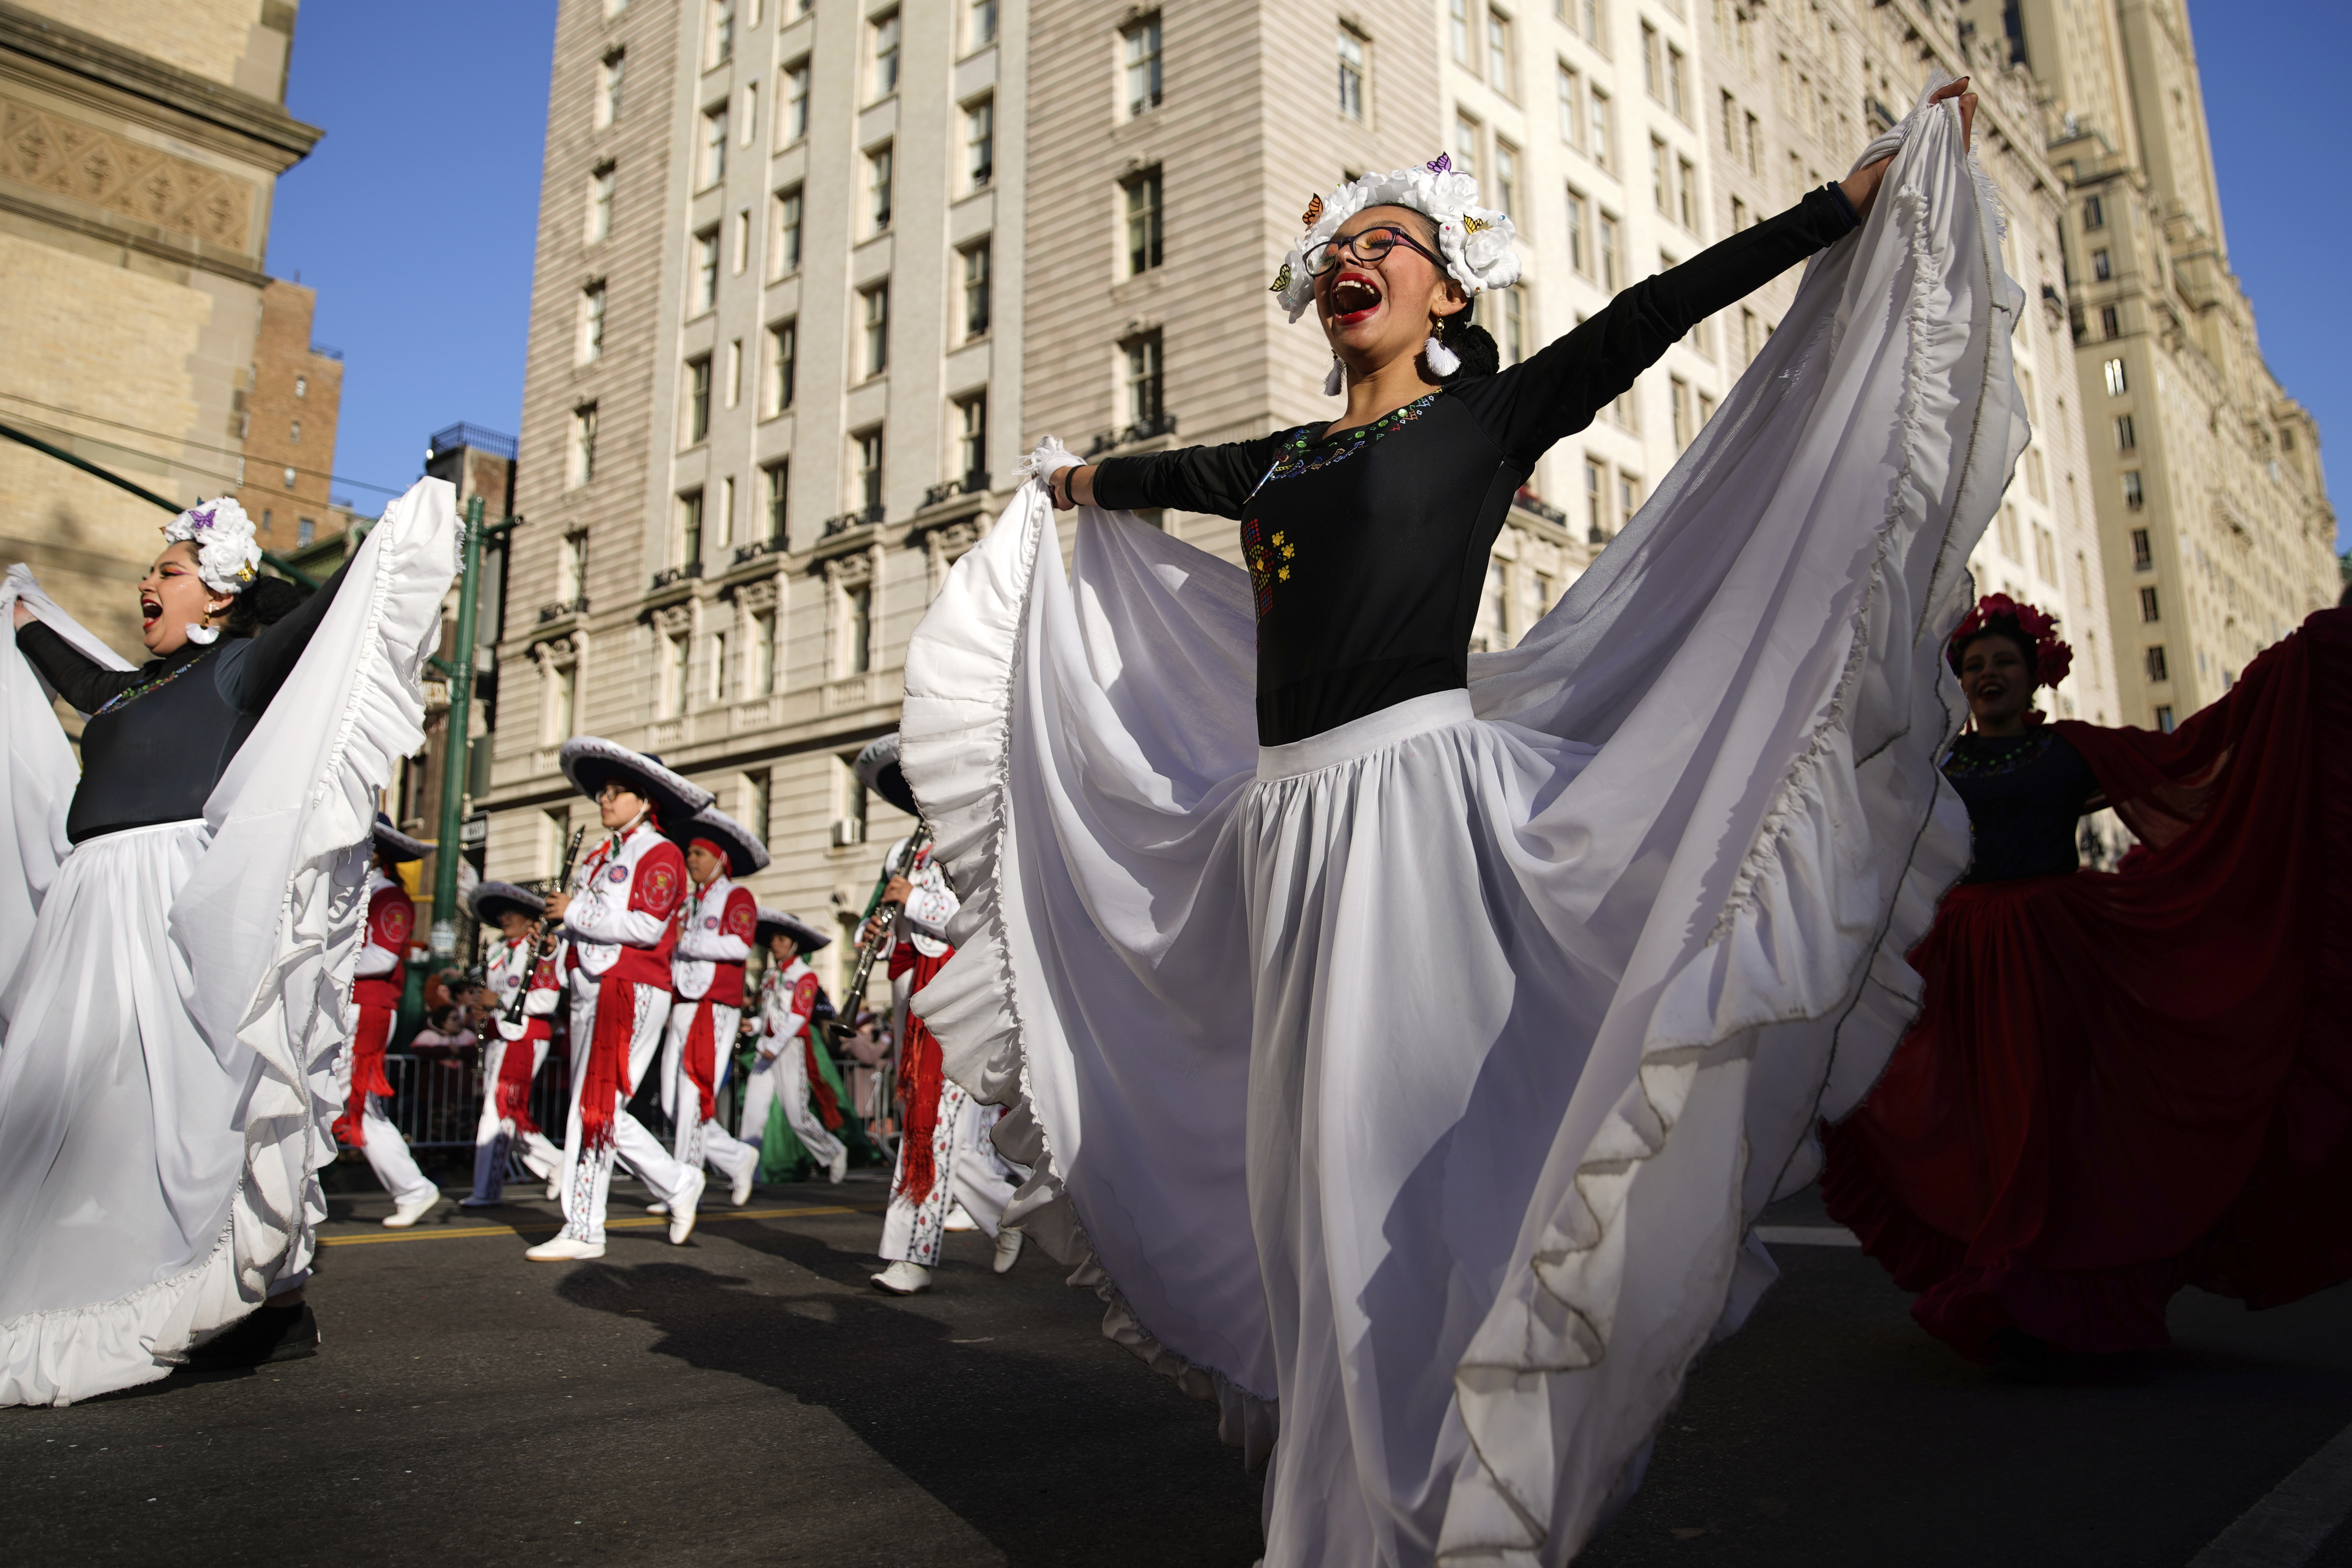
[[292, 405], [140, 145], [2206, 475]]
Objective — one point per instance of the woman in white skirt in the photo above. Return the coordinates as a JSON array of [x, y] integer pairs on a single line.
[[180, 927], [1407, 1066]]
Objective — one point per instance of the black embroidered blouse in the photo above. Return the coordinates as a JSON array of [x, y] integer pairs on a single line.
[[1368, 547], [2024, 794]]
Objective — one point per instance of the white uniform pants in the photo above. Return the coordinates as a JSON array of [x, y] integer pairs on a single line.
[[588, 1173], [784, 1077], [968, 1171], [695, 1141], [388, 1156], [541, 1155]]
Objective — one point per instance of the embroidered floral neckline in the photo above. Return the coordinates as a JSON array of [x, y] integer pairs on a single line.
[[1302, 451], [1978, 756], [124, 698]]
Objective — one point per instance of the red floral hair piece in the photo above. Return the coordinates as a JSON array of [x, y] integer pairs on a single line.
[[2038, 631]]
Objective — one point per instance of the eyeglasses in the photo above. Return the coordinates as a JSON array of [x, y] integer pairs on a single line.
[[613, 792], [1367, 246]]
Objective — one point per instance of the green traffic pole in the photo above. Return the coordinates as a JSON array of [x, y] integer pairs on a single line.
[[452, 768]]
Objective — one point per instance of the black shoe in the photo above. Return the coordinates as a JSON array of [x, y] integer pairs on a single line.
[[267, 1334]]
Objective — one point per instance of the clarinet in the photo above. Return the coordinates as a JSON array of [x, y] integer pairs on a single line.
[[845, 1018], [542, 948]]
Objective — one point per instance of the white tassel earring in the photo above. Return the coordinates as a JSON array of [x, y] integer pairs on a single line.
[[1336, 381], [203, 634], [1442, 362]]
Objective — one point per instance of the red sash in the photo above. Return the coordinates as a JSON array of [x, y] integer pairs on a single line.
[[606, 1082], [702, 1057], [368, 1041], [515, 1072], [920, 1079]]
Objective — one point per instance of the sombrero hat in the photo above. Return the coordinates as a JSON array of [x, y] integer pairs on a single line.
[[590, 763], [876, 768], [733, 842], [773, 922], [401, 846], [489, 900]]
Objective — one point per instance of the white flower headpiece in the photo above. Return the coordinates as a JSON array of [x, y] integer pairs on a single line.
[[227, 560], [1475, 241]]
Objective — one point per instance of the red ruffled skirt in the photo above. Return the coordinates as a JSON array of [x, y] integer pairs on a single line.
[[2123, 1084]]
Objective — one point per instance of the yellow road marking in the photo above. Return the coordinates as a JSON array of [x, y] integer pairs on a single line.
[[452, 1233]]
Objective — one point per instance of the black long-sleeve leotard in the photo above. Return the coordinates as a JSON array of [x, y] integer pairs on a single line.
[[1368, 547], [157, 756], [2025, 794]]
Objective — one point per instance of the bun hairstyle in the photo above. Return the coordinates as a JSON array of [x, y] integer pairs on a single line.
[[269, 599]]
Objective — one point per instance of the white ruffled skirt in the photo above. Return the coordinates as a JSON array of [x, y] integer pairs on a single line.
[[1417, 1083], [177, 1011]]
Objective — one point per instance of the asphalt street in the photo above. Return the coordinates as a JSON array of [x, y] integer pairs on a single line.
[[750, 1397]]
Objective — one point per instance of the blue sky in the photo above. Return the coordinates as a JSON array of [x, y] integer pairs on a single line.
[[415, 218]]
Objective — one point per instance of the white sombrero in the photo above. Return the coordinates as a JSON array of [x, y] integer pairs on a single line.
[[590, 763]]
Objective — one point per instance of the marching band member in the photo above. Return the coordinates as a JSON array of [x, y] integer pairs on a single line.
[[382, 975], [784, 1061], [719, 921], [946, 1156], [177, 931], [513, 1053], [620, 916]]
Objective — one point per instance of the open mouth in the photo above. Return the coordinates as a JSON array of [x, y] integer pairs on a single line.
[[1353, 296], [150, 611]]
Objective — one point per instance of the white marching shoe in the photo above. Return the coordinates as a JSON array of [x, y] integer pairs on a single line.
[[739, 1192], [564, 1249], [904, 1279], [1008, 1248], [658, 1208], [958, 1220], [403, 1216], [681, 1208], [840, 1166]]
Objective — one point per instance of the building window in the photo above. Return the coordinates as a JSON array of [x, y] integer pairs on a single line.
[[600, 203], [583, 454], [722, 532], [2112, 372], [1609, 253], [972, 438], [2164, 718], [1458, 19], [2126, 439], [1588, 22], [1659, 192], [2143, 552], [1515, 325], [1499, 52], [797, 90], [2134, 497], [1506, 176], [784, 355], [776, 486], [1465, 145], [1143, 251], [1629, 497], [2005, 526], [1652, 66], [572, 569], [721, 650], [975, 292], [979, 143], [749, 121], [1351, 74], [2148, 605], [869, 471], [706, 271], [1596, 503], [1580, 252], [689, 528], [698, 398], [761, 678], [2045, 555], [1603, 138], [1572, 125], [1143, 66], [723, 31], [608, 94], [979, 25], [2109, 325], [2102, 267], [883, 32], [1706, 410], [562, 688], [1686, 195], [2156, 665], [857, 629], [742, 241], [1679, 399], [2095, 212], [294, 432], [1144, 401], [1755, 145], [591, 321], [302, 389], [304, 532], [1676, 75], [788, 232], [676, 657], [714, 144], [875, 316], [878, 168]]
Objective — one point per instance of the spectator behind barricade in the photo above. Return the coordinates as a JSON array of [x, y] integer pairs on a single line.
[[867, 1048], [447, 1035]]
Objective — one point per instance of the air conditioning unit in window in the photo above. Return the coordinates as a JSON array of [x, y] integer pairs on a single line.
[[847, 831]]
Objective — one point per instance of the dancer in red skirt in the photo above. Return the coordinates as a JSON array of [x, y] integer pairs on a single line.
[[2121, 1084]]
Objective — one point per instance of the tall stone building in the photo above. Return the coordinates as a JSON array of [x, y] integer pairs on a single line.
[[140, 145], [292, 403], [1794, 92], [772, 391], [2205, 473]]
